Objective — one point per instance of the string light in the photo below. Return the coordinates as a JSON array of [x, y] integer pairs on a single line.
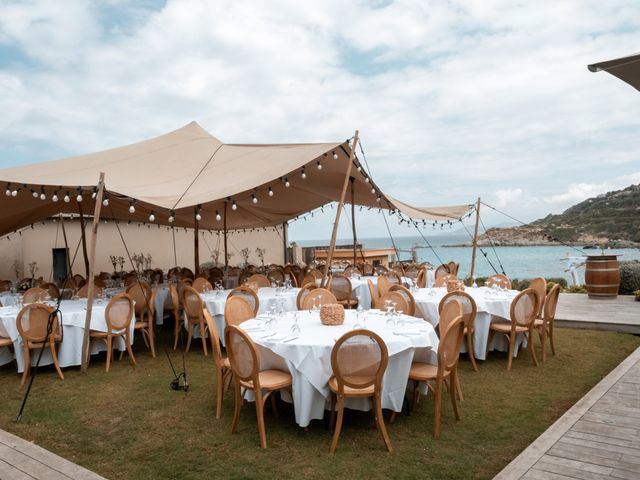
[[55, 196], [218, 216], [94, 194], [198, 216], [303, 174], [34, 194], [105, 201], [286, 182], [79, 196], [335, 155], [171, 216], [234, 205], [8, 191], [367, 180], [67, 198], [132, 209], [254, 199], [270, 192], [319, 165], [373, 191], [152, 217], [14, 193], [43, 196]]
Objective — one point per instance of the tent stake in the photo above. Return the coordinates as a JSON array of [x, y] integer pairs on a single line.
[[92, 261], [332, 246], [475, 244], [353, 222], [84, 240]]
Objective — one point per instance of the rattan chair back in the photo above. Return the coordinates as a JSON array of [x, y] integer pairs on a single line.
[[248, 295]]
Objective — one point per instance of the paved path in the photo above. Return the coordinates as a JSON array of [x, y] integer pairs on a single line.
[[597, 438], [621, 314], [20, 460]]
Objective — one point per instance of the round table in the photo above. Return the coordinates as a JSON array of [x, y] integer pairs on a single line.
[[307, 356], [492, 306]]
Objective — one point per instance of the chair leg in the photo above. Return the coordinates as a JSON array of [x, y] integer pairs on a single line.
[[219, 391], [438, 408], [152, 339], [512, 344], [274, 405], [332, 417], [472, 356], [489, 340], [260, 415], [26, 365], [455, 379], [542, 334], [380, 421], [203, 337], [238, 406], [532, 350], [54, 356], [336, 432], [553, 347], [189, 336], [416, 394], [109, 351], [176, 330], [127, 341]]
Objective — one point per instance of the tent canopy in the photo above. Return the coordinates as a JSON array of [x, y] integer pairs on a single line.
[[626, 69], [189, 171]]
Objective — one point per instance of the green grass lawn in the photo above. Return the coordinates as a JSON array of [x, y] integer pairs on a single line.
[[128, 424]]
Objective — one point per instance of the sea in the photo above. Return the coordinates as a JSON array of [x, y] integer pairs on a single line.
[[517, 262]]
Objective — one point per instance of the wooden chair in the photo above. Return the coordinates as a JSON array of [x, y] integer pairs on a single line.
[[441, 270], [182, 284], [5, 285], [469, 310], [32, 324], [52, 288], [237, 310], [367, 269], [422, 277], [442, 280], [318, 296], [383, 285], [260, 280], [308, 279], [498, 279], [396, 297], [523, 314], [372, 292], [358, 359], [303, 293], [398, 270], [118, 315], [145, 323], [84, 291], [248, 295], [223, 367], [276, 275], [35, 294], [317, 274], [350, 270], [453, 268], [447, 368], [539, 284], [408, 296], [192, 303], [340, 286], [544, 325], [79, 280], [202, 285], [380, 269], [247, 375], [172, 304], [187, 273]]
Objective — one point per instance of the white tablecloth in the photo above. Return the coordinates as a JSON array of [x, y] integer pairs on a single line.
[[492, 307], [308, 357], [9, 299], [215, 303], [70, 349]]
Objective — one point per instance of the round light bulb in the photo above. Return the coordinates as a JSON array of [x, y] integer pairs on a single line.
[[132, 209], [171, 219], [67, 199], [198, 217], [234, 206], [319, 166], [335, 156], [304, 175], [360, 168], [218, 217], [152, 217], [35, 194], [105, 202], [254, 199], [55, 197], [94, 195], [43, 196], [79, 198], [373, 190], [270, 192], [8, 193], [367, 180], [287, 184]]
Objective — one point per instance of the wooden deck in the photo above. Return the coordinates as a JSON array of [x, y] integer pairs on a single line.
[[621, 314], [597, 438], [20, 460]]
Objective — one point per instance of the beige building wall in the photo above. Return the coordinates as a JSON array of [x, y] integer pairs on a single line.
[[36, 245]]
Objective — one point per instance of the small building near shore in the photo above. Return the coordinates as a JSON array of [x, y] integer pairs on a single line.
[[374, 256]]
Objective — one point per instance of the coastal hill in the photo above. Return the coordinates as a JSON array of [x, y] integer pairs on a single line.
[[612, 218]]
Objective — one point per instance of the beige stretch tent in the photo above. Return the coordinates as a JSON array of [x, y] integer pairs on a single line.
[[189, 171], [626, 69]]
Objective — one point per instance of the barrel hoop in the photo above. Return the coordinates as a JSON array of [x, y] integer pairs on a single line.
[[589, 285]]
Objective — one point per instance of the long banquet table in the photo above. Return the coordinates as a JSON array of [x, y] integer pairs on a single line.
[[70, 349], [308, 356], [493, 306]]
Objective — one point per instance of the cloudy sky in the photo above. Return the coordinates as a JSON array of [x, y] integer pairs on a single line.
[[454, 100]]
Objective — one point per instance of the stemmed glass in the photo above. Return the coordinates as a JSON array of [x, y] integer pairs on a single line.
[[295, 328]]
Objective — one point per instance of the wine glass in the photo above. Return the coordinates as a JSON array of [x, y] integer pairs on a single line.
[[295, 328]]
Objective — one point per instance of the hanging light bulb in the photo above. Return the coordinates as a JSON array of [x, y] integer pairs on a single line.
[[286, 182], [105, 202], [67, 198], [335, 155], [218, 216], [94, 194], [378, 199], [198, 216], [373, 190], [79, 196], [367, 180], [8, 192], [254, 199], [55, 196], [34, 194], [152, 217], [14, 193], [303, 174], [319, 165], [132, 209], [234, 205], [270, 192], [360, 168], [171, 216], [43, 196]]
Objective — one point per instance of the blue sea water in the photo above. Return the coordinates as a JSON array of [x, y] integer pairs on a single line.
[[518, 262]]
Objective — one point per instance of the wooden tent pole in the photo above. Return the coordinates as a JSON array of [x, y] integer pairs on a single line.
[[196, 243], [84, 239], [475, 244], [332, 246], [285, 240], [66, 245], [353, 222], [92, 260], [226, 259]]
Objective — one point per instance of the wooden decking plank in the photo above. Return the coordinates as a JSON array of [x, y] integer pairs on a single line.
[[607, 430], [574, 464], [601, 446], [581, 453], [603, 439], [570, 472], [535, 474], [29, 465], [9, 472]]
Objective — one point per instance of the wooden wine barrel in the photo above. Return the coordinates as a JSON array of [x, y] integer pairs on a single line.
[[602, 276]]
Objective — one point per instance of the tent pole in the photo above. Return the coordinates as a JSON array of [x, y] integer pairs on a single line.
[[84, 239], [353, 222], [92, 260], [332, 246], [226, 259], [285, 240], [196, 243], [66, 245], [475, 244]]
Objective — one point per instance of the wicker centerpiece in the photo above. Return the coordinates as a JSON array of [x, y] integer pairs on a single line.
[[332, 314]]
